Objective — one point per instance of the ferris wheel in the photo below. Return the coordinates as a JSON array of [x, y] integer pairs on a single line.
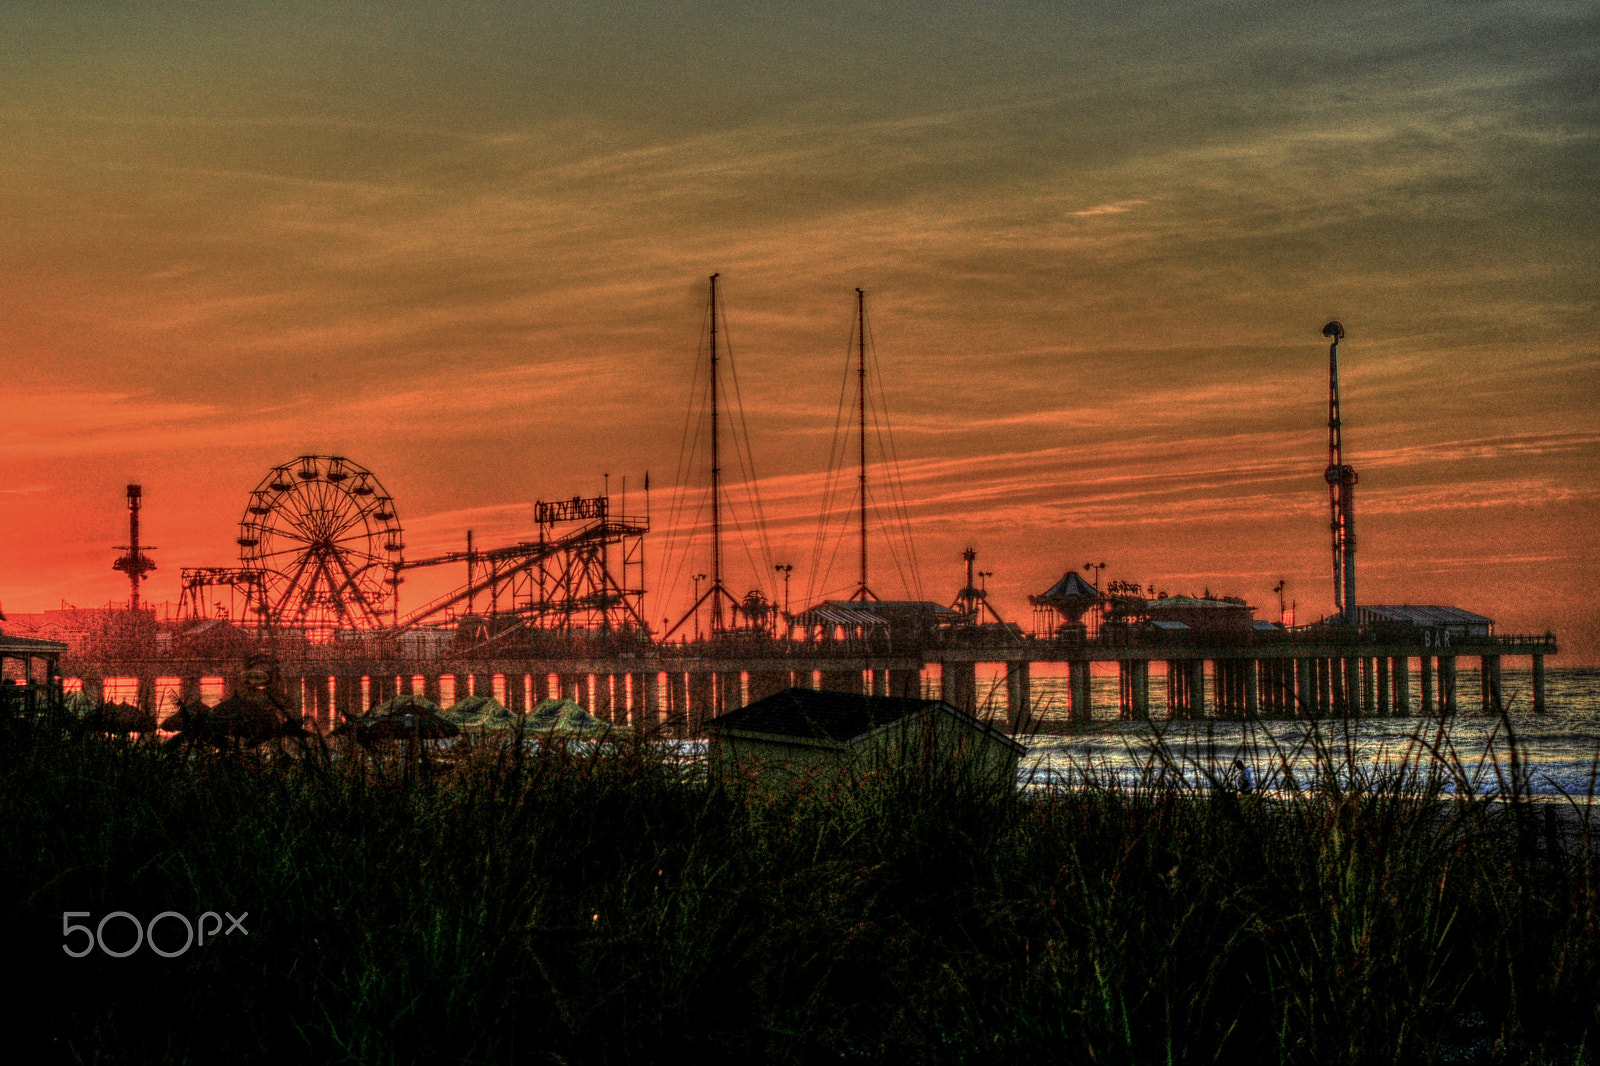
[[323, 535]]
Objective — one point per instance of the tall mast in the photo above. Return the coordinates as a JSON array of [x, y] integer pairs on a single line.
[[1341, 479], [716, 479], [862, 591]]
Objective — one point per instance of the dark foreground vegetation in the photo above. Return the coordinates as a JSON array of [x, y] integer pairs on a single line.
[[602, 903]]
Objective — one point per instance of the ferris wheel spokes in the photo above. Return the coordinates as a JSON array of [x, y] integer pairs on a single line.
[[326, 541]]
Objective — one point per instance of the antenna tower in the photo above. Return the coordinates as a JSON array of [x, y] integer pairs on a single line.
[[1341, 480], [135, 564]]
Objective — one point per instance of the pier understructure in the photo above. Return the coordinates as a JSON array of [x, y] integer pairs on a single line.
[[1321, 671]]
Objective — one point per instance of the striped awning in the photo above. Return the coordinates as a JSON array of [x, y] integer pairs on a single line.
[[833, 614]]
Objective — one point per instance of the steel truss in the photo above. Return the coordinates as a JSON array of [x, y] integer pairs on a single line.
[[245, 601], [585, 572]]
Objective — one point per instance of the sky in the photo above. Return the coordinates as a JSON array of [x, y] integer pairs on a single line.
[[467, 245]]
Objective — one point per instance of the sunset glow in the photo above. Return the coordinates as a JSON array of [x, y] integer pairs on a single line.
[[467, 246]]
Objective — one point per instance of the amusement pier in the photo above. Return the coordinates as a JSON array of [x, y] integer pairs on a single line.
[[315, 597]]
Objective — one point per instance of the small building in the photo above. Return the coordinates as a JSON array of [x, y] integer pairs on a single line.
[[1207, 615], [1438, 625], [889, 622], [800, 732], [29, 673]]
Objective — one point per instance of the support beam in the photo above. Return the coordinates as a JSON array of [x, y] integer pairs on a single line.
[[730, 691], [1489, 684], [959, 685], [644, 712], [702, 688], [768, 683], [1538, 684], [1082, 708], [1402, 684], [844, 680], [906, 684], [1447, 684], [346, 697], [1018, 695], [380, 688]]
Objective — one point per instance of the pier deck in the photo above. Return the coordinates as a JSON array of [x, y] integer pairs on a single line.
[[1321, 671]]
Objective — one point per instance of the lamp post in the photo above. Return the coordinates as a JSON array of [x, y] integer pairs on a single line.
[[1096, 568], [785, 569]]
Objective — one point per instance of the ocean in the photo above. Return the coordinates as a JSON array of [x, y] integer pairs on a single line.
[[1558, 752]]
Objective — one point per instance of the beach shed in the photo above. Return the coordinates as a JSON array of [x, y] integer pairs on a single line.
[[800, 732]]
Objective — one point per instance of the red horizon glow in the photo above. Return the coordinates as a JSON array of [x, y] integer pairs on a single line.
[[469, 252]]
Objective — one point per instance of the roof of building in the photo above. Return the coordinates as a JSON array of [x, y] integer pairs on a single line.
[[1423, 615], [819, 715], [833, 613], [1196, 603], [810, 714], [1069, 585], [871, 613], [20, 646]]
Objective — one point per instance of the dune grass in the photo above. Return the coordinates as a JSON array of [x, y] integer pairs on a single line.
[[600, 903]]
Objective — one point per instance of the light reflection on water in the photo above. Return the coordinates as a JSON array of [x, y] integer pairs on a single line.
[[1557, 750]]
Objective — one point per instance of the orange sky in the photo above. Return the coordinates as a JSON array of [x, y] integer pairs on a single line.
[[466, 245]]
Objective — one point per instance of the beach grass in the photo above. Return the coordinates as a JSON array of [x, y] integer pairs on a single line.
[[500, 901]]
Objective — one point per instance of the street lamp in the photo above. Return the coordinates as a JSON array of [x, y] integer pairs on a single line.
[[1099, 607], [785, 569]]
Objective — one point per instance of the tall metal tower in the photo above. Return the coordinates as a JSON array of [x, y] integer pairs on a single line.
[[863, 591], [135, 564], [1341, 480], [717, 592]]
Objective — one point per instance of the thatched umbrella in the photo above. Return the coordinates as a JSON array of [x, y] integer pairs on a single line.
[[186, 711], [480, 713], [404, 704], [251, 716], [121, 718], [417, 724], [478, 707], [564, 718]]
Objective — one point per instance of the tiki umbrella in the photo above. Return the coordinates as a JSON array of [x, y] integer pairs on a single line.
[[406, 704], [478, 707], [480, 713], [419, 725], [122, 718], [251, 716], [188, 710], [564, 718]]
